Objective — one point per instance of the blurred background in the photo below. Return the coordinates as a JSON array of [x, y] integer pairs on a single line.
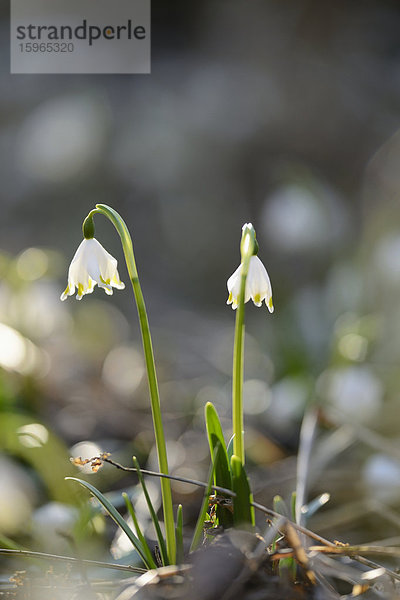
[[285, 114]]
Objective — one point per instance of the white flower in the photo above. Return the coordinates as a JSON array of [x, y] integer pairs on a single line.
[[92, 264], [258, 285]]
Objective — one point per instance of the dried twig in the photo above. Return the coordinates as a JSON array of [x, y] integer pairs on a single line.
[[69, 559]]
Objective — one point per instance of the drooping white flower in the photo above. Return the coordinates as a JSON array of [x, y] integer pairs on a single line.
[[258, 285], [92, 265]]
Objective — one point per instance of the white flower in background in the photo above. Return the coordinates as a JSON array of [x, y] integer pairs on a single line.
[[92, 265], [258, 285]]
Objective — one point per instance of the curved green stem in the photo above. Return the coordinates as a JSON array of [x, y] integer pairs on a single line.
[[247, 247], [127, 246]]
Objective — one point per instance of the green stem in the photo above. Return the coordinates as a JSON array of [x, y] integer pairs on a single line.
[[237, 373], [247, 247], [127, 246]]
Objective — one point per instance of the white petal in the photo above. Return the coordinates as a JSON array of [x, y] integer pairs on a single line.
[[92, 265], [258, 279], [258, 285]]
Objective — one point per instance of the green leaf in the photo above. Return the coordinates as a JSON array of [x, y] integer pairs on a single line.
[[215, 437], [287, 566], [293, 506], [222, 474], [179, 535], [243, 512], [198, 532], [161, 541], [114, 514], [150, 560], [280, 506], [6, 542]]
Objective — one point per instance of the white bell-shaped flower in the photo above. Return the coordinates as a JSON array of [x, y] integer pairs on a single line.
[[92, 265], [258, 285]]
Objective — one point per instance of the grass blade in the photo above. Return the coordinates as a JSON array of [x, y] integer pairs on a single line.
[[286, 565], [198, 532], [243, 512], [154, 518], [293, 504], [150, 560], [114, 514], [307, 436], [179, 536], [280, 506], [215, 438], [8, 543], [222, 474]]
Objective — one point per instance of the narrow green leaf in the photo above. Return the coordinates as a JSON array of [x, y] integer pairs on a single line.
[[287, 566], [114, 514], [243, 512], [222, 474], [150, 560], [179, 535], [198, 532], [215, 437], [293, 506], [161, 541], [280, 506], [6, 542]]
